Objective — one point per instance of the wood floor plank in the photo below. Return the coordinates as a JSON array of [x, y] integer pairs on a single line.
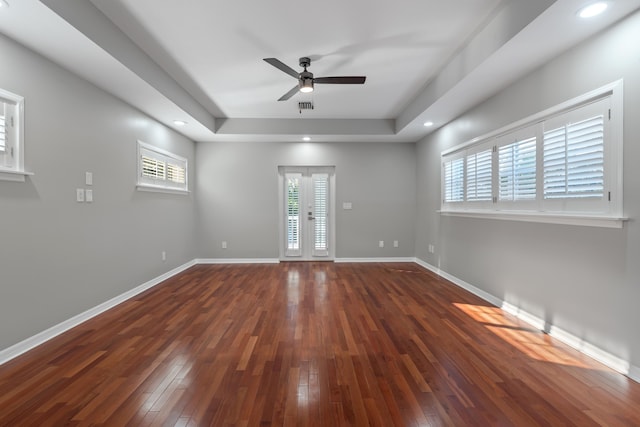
[[310, 344]]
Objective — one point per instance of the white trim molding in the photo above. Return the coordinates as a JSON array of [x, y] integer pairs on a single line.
[[44, 336], [355, 260], [614, 362], [237, 261], [547, 218], [14, 175]]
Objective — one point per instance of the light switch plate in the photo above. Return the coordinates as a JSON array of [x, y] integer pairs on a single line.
[[89, 178], [88, 196]]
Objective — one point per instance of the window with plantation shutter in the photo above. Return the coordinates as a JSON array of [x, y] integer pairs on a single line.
[[160, 170], [3, 136], [563, 164], [12, 137], [176, 173], [454, 180], [152, 168], [574, 160], [479, 176], [517, 170]]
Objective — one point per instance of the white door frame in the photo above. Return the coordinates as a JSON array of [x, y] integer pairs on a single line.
[[307, 171]]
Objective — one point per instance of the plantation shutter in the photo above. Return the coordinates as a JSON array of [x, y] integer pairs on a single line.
[[574, 160], [454, 180], [479, 176], [517, 170], [176, 173], [3, 129], [293, 214], [321, 213], [152, 168]]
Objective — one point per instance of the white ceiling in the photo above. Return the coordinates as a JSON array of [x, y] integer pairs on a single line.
[[201, 60]]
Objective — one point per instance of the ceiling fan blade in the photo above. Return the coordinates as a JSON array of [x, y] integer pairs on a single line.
[[344, 80], [282, 66], [289, 94]]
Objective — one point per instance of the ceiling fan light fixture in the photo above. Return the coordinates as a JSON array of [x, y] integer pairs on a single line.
[[306, 85]]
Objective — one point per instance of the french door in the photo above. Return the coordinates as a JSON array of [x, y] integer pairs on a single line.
[[306, 213]]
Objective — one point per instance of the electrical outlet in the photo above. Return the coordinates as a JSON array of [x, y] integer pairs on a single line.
[[224, 244], [80, 195], [395, 244], [432, 249], [164, 255], [381, 244]]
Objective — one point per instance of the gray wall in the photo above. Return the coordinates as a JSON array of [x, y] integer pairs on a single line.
[[585, 280], [59, 258], [237, 196]]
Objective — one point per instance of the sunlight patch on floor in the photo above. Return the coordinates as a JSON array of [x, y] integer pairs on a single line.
[[529, 340]]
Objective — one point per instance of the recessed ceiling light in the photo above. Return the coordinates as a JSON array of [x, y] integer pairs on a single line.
[[179, 122], [428, 124], [306, 138], [593, 9], [3, 3]]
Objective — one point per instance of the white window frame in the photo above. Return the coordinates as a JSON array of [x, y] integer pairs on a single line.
[[161, 183], [12, 157], [603, 212]]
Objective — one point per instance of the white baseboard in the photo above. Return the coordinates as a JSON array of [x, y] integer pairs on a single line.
[[40, 338], [614, 362], [461, 283], [237, 261], [354, 260], [579, 344]]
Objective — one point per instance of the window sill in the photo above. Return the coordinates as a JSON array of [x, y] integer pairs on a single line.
[[158, 189], [548, 218], [13, 175]]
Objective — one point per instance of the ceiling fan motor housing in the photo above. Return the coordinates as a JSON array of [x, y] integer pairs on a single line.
[[305, 62]]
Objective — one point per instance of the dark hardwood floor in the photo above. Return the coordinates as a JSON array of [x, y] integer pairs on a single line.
[[310, 344]]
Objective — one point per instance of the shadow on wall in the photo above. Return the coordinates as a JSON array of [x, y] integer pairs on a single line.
[[19, 190]]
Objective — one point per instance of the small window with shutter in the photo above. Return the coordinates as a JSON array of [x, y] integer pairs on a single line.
[[11, 137], [161, 170]]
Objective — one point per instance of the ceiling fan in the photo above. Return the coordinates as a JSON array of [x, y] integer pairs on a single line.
[[306, 79]]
